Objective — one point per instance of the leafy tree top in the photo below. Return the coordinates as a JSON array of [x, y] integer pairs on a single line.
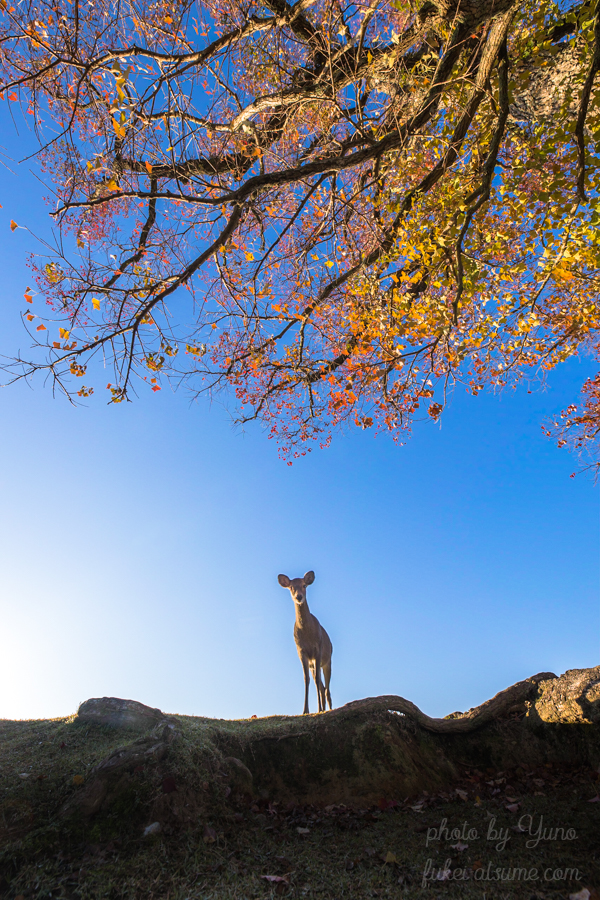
[[337, 209]]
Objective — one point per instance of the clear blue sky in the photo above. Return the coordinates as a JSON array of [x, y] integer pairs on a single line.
[[140, 546]]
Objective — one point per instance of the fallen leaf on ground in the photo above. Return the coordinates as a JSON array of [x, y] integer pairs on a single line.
[[460, 846], [277, 879], [78, 779], [303, 830], [210, 835]]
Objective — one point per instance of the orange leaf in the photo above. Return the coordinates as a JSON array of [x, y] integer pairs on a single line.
[[30, 318], [56, 344], [12, 96], [28, 297], [41, 328], [149, 167], [13, 225]]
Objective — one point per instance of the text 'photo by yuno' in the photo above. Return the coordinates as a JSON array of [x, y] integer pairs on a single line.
[[338, 211]]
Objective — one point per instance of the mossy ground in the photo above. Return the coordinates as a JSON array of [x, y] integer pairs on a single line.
[[224, 849]]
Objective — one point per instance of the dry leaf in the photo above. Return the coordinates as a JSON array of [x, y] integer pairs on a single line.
[[210, 835]]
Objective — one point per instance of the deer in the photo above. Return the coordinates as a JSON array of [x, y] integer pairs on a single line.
[[312, 641]]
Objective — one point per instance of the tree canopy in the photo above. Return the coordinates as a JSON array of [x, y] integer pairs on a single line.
[[338, 209]]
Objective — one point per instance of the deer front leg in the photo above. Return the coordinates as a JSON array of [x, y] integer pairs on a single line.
[[304, 661], [318, 683]]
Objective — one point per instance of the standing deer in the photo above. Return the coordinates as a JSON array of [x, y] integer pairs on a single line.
[[312, 641]]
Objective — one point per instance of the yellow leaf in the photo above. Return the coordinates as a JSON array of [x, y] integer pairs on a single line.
[[314, 256], [64, 333], [329, 264], [562, 274], [112, 185], [249, 256], [95, 303], [390, 857], [119, 130]]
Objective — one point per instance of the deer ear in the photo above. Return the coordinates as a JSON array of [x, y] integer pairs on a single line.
[[309, 577], [283, 580]]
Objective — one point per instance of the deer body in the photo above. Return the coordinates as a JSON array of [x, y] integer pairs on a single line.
[[312, 641]]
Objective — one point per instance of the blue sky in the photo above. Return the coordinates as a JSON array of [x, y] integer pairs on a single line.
[[140, 546]]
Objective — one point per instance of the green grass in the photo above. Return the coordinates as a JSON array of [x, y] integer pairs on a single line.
[[212, 846]]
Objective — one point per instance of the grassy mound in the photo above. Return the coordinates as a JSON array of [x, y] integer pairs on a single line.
[[202, 808]]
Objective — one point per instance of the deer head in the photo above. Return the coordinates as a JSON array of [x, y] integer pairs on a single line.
[[297, 586]]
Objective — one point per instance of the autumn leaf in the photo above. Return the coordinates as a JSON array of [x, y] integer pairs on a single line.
[[41, 327], [209, 835], [149, 167], [13, 225], [64, 334], [78, 779], [95, 303]]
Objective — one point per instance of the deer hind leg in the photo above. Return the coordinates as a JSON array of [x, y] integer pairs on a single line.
[[316, 673], [304, 661], [327, 676]]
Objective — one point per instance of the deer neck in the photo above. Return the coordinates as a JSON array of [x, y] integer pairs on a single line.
[[302, 614]]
